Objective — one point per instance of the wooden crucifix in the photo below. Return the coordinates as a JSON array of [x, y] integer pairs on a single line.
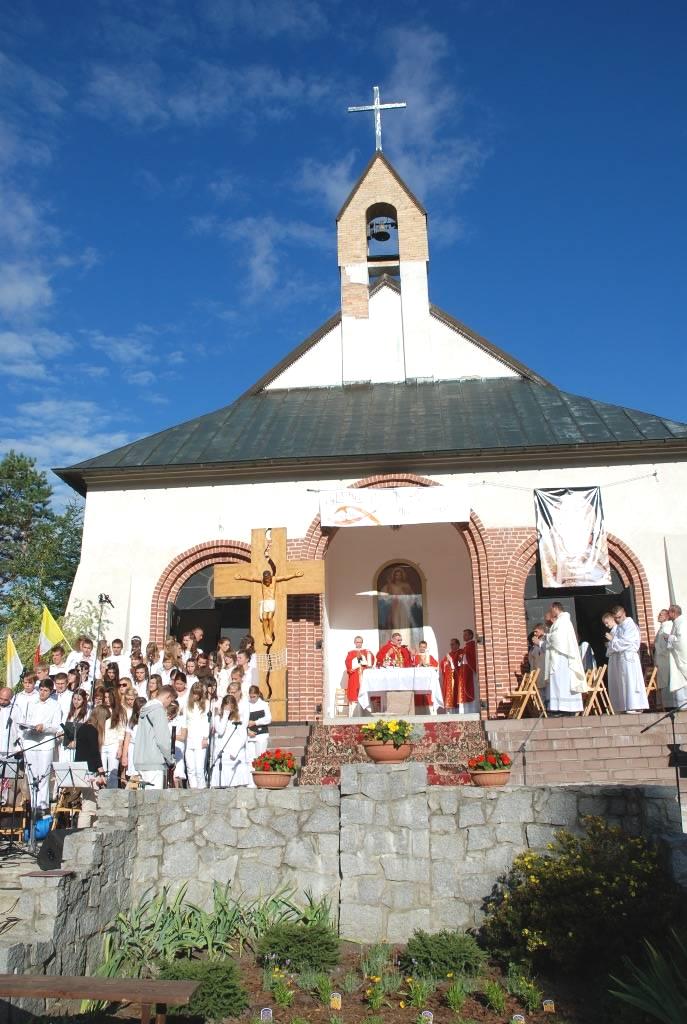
[[268, 580]]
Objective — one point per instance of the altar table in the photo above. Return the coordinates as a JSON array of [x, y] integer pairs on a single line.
[[390, 680]]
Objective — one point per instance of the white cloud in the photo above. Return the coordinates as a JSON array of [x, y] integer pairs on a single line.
[[133, 92], [330, 181], [22, 220], [263, 244], [29, 354], [24, 289], [304, 19]]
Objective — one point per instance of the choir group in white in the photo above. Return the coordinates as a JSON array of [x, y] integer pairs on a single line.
[[563, 662], [147, 719]]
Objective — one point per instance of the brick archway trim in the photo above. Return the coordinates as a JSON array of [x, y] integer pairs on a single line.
[[316, 541], [181, 568], [512, 605]]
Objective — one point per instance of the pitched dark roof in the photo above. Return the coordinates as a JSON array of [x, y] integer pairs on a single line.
[[455, 420]]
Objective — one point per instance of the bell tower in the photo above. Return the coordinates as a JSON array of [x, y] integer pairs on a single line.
[[382, 232]]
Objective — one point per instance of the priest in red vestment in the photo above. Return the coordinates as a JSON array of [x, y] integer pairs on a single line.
[[357, 661], [394, 653], [465, 680], [449, 673]]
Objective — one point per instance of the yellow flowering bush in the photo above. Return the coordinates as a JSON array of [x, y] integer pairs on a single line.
[[588, 901], [388, 730]]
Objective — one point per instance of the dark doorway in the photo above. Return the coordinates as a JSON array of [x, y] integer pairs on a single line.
[[196, 606], [585, 605]]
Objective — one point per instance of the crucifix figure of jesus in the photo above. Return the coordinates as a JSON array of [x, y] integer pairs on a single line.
[[378, 107], [269, 579], [268, 602]]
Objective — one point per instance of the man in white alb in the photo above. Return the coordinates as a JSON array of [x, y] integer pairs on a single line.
[[38, 728], [661, 653], [625, 677], [677, 645], [565, 676]]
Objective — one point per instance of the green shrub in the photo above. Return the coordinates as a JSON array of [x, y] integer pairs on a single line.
[[300, 945], [495, 996], [658, 987], [439, 954], [391, 981], [418, 992], [583, 905], [282, 993], [219, 994], [350, 983], [520, 985]]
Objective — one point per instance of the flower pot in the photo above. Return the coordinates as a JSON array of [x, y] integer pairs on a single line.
[[499, 777], [272, 780], [387, 753]]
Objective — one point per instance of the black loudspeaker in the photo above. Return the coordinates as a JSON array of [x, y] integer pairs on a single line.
[[50, 853]]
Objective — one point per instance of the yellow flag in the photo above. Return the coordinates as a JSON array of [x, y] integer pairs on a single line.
[[51, 633], [14, 665]]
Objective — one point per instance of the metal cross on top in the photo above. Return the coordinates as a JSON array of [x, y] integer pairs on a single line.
[[378, 107]]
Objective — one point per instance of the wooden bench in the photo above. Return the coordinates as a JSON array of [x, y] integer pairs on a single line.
[[149, 994]]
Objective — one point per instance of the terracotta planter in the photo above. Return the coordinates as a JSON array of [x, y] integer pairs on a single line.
[[501, 777], [272, 780], [387, 753]]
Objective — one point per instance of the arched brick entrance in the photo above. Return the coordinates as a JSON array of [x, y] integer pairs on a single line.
[[512, 604], [316, 541], [181, 568]]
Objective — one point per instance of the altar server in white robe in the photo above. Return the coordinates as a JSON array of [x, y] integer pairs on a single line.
[[662, 659], [230, 761], [626, 687], [677, 645], [565, 676], [38, 727]]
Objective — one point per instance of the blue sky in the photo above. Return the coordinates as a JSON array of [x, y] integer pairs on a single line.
[[170, 174]]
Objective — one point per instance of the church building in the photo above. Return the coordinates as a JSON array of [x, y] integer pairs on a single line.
[[387, 472]]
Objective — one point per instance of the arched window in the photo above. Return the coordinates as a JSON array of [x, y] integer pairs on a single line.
[[382, 240]]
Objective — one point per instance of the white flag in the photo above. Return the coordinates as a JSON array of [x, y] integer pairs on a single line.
[[15, 668]]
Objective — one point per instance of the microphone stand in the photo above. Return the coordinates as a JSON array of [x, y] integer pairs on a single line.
[[674, 749]]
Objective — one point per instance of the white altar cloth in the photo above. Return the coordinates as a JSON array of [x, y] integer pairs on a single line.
[[384, 680]]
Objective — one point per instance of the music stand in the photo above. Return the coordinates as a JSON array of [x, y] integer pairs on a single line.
[[72, 773]]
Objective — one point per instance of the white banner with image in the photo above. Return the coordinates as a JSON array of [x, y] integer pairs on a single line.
[[573, 549], [394, 506]]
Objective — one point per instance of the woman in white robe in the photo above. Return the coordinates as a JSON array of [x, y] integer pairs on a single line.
[[230, 765]]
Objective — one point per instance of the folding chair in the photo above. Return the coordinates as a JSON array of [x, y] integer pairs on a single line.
[[527, 692], [651, 684], [596, 700]]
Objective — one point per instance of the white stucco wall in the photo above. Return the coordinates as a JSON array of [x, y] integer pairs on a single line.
[[376, 347], [354, 558], [130, 537]]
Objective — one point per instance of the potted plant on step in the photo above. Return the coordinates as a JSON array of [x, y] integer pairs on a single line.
[[387, 741], [273, 769], [490, 769]]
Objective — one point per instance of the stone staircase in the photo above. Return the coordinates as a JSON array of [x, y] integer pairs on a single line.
[[291, 736], [606, 749]]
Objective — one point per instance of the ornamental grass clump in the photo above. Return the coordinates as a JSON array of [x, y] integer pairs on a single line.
[[658, 985], [441, 954], [219, 994], [301, 945], [395, 730], [583, 905], [490, 761]]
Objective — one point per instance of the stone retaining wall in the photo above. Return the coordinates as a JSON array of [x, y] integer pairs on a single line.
[[390, 852]]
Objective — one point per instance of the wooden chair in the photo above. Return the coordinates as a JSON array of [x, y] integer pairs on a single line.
[[596, 701], [651, 684], [67, 807], [526, 693], [14, 818]]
